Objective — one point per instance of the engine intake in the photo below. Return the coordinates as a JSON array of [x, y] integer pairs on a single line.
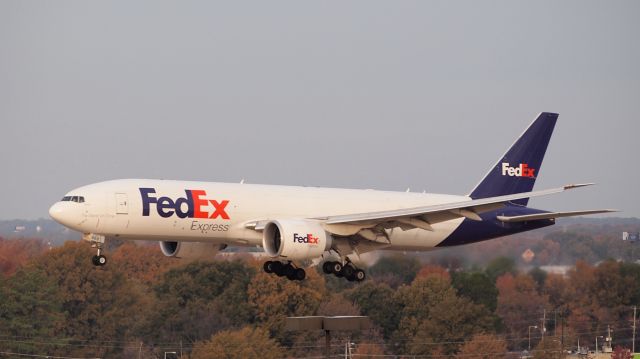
[[191, 250], [295, 239]]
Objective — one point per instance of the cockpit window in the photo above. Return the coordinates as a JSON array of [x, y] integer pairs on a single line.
[[77, 199]]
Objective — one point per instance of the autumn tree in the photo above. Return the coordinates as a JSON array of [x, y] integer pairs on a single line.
[[142, 263], [246, 343], [336, 304], [483, 346], [369, 350], [519, 303], [621, 353], [274, 298], [98, 304], [433, 315], [14, 253], [550, 348], [433, 270]]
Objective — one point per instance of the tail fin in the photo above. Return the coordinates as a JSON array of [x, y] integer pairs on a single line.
[[517, 170]]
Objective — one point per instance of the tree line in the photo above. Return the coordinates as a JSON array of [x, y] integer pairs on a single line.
[[142, 304]]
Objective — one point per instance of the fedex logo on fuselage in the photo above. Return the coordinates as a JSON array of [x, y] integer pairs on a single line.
[[194, 205], [523, 170], [309, 238]]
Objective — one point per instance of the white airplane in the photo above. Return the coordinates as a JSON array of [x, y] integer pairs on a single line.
[[298, 224]]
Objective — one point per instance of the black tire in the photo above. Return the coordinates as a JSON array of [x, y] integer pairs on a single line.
[[326, 267], [278, 268], [360, 275], [336, 267], [268, 267], [102, 260], [289, 271], [94, 260], [300, 274], [348, 272]]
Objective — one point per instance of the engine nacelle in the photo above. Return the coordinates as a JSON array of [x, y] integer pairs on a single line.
[[295, 239], [191, 250]]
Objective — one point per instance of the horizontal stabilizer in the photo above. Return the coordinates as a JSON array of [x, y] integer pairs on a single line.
[[550, 215]]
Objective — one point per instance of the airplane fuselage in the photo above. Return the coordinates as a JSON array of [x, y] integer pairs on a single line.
[[164, 210]]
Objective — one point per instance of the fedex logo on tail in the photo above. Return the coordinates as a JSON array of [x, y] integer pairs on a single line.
[[522, 170], [193, 205]]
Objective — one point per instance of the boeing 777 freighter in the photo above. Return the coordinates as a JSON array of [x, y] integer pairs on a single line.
[[298, 224]]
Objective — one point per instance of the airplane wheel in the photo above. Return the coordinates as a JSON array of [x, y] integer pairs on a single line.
[[336, 267], [360, 275], [99, 260], [289, 271], [300, 274], [348, 272], [268, 267], [278, 268], [326, 267]]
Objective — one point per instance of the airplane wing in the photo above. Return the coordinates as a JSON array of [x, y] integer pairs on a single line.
[[550, 215], [424, 217]]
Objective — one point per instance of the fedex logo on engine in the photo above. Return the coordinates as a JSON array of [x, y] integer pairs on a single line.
[[194, 205], [309, 238], [523, 170]]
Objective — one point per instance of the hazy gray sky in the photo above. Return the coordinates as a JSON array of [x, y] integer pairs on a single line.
[[361, 94]]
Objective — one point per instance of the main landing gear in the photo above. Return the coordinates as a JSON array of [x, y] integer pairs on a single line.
[[284, 270], [347, 271]]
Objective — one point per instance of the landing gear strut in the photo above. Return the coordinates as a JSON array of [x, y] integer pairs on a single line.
[[97, 241], [284, 270], [349, 271]]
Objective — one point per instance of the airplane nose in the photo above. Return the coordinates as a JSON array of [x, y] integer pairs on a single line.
[[56, 212], [61, 213]]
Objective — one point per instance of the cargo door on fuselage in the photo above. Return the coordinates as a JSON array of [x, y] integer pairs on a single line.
[[122, 205]]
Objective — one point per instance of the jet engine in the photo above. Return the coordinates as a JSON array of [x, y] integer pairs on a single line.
[[295, 239], [191, 250]]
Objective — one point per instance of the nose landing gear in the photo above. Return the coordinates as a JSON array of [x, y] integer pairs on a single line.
[[284, 270], [349, 271], [97, 241]]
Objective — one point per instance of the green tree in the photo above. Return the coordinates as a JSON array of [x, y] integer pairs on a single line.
[[500, 266], [395, 269], [246, 343], [201, 298], [477, 287], [379, 302], [29, 308], [539, 276]]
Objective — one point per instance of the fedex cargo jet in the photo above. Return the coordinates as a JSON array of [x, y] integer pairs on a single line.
[[297, 224]]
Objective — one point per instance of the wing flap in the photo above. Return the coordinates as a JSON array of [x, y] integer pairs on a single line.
[[551, 215]]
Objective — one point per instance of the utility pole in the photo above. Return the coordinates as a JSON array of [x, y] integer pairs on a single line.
[[633, 346], [544, 322]]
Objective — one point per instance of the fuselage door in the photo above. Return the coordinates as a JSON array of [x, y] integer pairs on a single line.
[[122, 205]]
